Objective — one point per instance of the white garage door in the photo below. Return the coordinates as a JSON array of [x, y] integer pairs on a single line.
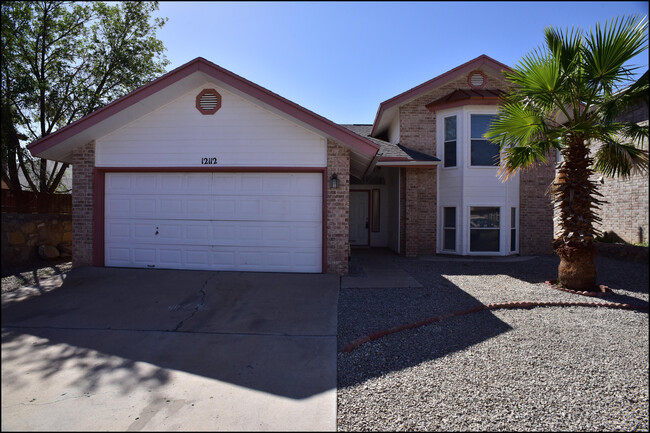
[[270, 222]]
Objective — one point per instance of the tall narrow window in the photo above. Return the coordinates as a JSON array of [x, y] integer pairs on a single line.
[[484, 152], [484, 229], [513, 229], [450, 141], [449, 228]]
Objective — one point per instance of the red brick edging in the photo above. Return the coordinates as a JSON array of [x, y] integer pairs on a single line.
[[353, 345]]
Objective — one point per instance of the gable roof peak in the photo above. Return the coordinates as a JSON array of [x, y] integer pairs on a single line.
[[395, 101]]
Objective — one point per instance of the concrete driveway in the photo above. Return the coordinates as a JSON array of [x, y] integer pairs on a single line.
[[133, 349]]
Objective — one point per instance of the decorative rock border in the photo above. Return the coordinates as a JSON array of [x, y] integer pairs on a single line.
[[602, 290], [497, 306]]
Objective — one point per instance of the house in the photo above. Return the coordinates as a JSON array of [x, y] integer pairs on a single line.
[[203, 169]]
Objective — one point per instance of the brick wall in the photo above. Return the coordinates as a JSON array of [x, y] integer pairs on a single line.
[[536, 209], [625, 215], [419, 211], [418, 124], [83, 163], [338, 200]]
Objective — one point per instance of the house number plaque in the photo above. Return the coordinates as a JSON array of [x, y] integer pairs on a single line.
[[208, 161]]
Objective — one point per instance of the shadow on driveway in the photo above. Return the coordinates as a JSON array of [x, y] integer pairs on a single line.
[[274, 333]]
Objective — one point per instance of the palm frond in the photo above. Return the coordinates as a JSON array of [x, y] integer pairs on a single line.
[[520, 158], [537, 77], [636, 133], [615, 158], [565, 46], [516, 124], [612, 106], [610, 47]]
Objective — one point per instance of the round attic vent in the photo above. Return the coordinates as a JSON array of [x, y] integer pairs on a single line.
[[208, 101], [476, 80]]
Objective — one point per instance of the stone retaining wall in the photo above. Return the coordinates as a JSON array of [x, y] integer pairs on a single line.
[[24, 234]]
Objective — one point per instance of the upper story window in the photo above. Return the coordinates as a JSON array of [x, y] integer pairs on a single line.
[[483, 152], [450, 142]]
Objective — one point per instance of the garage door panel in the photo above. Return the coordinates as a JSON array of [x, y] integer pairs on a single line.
[[144, 256], [219, 221], [219, 258], [215, 233], [255, 208]]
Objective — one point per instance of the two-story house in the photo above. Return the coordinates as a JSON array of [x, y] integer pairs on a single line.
[[433, 188], [203, 169]]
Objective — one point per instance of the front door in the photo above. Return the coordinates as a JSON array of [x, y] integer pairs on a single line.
[[359, 227]]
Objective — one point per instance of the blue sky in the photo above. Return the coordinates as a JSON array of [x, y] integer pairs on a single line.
[[342, 59]]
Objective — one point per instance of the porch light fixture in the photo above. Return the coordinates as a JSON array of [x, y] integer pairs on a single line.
[[334, 181]]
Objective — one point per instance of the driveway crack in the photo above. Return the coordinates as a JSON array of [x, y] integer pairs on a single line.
[[198, 307]]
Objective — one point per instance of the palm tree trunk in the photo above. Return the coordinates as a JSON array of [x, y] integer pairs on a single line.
[[574, 194]]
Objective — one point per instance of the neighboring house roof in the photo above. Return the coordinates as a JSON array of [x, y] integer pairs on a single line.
[[393, 154], [60, 144], [389, 109]]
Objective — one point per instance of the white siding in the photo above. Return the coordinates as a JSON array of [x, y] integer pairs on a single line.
[[240, 134], [465, 186], [393, 130]]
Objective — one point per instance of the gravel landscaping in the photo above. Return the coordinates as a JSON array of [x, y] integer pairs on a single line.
[[526, 369], [33, 275], [523, 369]]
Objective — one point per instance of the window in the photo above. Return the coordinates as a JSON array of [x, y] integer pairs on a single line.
[[375, 210], [449, 229], [484, 229], [513, 229], [484, 153], [450, 141]]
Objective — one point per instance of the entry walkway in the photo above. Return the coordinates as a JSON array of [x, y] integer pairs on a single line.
[[376, 268]]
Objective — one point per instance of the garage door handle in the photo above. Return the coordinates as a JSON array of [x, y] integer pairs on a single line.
[[156, 232]]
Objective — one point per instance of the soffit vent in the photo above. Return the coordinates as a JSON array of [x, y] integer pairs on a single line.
[[208, 101], [476, 80]]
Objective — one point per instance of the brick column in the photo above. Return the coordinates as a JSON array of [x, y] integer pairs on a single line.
[[420, 211], [536, 210], [338, 209], [83, 163]]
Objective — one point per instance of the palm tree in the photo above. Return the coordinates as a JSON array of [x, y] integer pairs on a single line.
[[566, 96]]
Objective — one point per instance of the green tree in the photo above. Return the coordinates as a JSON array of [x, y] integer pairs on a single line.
[[566, 96], [62, 61]]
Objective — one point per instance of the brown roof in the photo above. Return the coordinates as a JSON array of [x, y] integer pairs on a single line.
[[390, 151]]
